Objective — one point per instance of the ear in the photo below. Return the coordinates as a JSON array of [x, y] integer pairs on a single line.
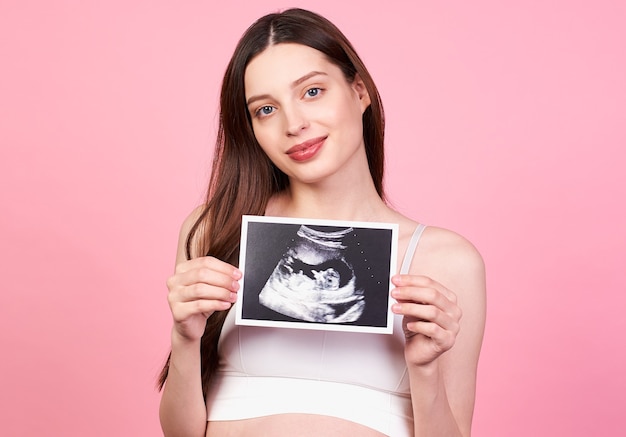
[[361, 91]]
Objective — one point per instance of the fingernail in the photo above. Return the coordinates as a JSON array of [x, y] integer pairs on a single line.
[[233, 297], [237, 274]]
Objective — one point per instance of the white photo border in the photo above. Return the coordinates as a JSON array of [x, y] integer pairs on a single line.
[[240, 319]]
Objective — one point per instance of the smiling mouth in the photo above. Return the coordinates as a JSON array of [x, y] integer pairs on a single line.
[[306, 150]]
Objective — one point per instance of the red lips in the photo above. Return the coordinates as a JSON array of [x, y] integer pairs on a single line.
[[306, 150]]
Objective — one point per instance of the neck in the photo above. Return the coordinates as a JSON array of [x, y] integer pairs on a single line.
[[333, 199]]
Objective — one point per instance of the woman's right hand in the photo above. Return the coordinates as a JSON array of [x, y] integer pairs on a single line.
[[197, 289]]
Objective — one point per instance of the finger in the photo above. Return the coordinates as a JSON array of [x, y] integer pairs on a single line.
[[428, 313], [211, 263], [201, 291], [442, 338], [185, 310], [421, 281], [425, 296], [203, 275], [199, 298]]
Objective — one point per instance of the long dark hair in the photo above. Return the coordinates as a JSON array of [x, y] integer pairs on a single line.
[[243, 178]]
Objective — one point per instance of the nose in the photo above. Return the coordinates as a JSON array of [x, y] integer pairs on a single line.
[[295, 120]]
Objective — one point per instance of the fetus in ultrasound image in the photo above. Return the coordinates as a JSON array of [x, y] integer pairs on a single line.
[[313, 281]]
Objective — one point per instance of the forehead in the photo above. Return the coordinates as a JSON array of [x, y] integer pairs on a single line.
[[282, 64]]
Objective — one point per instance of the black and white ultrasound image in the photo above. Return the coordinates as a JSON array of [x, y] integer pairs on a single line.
[[317, 274]]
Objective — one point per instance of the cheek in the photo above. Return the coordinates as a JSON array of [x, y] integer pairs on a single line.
[[270, 144], [263, 136], [348, 117], [346, 110]]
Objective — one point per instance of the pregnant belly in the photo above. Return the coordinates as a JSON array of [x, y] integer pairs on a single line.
[[289, 425]]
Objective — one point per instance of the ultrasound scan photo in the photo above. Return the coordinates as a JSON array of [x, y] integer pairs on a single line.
[[316, 274]]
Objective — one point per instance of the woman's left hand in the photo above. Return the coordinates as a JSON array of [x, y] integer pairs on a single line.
[[431, 317]]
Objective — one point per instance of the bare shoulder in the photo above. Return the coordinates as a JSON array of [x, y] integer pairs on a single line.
[[452, 260], [448, 254], [185, 228], [443, 255], [190, 220]]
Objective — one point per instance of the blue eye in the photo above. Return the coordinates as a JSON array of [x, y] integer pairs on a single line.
[[313, 92], [265, 110]]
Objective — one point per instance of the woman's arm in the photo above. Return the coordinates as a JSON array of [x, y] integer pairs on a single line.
[[182, 411], [198, 288], [444, 332]]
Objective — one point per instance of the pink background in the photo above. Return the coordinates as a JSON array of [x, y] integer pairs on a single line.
[[506, 122]]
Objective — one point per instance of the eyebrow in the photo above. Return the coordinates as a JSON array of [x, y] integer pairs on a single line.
[[293, 85]]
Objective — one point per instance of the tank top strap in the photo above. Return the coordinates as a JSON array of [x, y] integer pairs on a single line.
[[410, 250]]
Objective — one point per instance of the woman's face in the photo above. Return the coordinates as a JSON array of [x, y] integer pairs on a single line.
[[305, 115]]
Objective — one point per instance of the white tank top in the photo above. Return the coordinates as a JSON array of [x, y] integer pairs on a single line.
[[353, 376]]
